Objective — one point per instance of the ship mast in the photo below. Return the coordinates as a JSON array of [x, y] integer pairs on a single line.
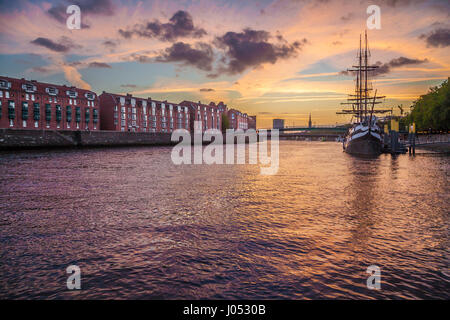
[[362, 96]]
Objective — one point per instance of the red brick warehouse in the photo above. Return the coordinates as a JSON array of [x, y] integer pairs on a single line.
[[210, 115], [36, 105], [128, 113]]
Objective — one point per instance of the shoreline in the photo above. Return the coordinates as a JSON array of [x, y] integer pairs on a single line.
[[438, 147]]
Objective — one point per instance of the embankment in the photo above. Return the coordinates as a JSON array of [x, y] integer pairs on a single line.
[[24, 139]]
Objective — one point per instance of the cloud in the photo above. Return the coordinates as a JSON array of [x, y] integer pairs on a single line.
[[87, 7], [40, 69], [349, 16], [384, 68], [128, 86], [96, 64], [180, 25], [64, 45], [142, 58], [437, 38], [74, 77], [251, 48], [110, 44], [206, 90], [200, 55]]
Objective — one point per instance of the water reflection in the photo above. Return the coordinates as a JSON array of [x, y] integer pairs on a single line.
[[140, 227]]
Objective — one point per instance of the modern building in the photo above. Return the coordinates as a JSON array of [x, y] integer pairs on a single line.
[[209, 116], [278, 123], [134, 114], [29, 104]]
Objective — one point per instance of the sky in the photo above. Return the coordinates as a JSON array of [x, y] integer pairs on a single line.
[[273, 59]]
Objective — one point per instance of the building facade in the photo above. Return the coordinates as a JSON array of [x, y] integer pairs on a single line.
[[237, 119], [29, 104], [278, 123], [252, 122], [209, 116], [134, 114]]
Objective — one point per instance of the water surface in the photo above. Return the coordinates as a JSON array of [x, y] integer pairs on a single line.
[[140, 227]]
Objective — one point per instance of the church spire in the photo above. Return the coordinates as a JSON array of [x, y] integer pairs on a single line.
[[309, 122]]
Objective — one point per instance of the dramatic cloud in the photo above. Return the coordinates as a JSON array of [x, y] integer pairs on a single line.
[[74, 77], [206, 90], [200, 56], [437, 38], [251, 48], [180, 25], [384, 68], [64, 45], [87, 7], [96, 64]]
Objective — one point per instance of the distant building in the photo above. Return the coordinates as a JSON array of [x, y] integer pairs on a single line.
[[128, 113], [252, 122], [210, 116], [237, 119], [309, 122], [29, 104], [278, 123]]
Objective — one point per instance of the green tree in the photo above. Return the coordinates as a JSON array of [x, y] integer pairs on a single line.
[[225, 122], [432, 110]]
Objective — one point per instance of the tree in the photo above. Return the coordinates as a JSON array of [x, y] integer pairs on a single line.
[[225, 122], [432, 110]]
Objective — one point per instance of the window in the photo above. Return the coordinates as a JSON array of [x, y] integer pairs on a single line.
[[87, 115], [11, 110], [77, 116], [48, 112], [27, 96], [95, 116], [36, 112], [0, 108], [25, 111], [68, 114], [7, 94], [70, 101], [58, 113]]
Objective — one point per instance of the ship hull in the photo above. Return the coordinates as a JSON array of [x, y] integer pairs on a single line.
[[366, 145]]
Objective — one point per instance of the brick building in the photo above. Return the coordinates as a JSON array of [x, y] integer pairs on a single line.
[[209, 115], [237, 119], [29, 104], [128, 113], [252, 122]]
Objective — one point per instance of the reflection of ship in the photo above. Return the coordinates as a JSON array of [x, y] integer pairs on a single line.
[[365, 136]]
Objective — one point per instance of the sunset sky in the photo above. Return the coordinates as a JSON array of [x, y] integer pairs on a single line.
[[273, 59]]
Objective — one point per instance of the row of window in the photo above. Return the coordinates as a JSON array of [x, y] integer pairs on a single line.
[[48, 112]]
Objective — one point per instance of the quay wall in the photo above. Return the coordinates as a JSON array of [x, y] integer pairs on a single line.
[[20, 139]]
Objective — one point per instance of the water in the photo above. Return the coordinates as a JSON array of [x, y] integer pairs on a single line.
[[140, 227]]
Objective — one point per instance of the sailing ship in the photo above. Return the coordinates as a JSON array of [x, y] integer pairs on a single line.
[[364, 137]]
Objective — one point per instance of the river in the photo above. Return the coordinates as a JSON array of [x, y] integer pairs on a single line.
[[140, 227]]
